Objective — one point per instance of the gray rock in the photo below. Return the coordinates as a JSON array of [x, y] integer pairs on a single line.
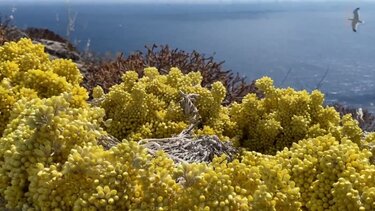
[[14, 33], [59, 49]]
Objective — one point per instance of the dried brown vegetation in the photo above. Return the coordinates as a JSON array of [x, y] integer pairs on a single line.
[[108, 72], [4, 25]]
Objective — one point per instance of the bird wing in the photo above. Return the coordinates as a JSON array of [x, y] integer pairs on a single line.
[[356, 13], [354, 25]]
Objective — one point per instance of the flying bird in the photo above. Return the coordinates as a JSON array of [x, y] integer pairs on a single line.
[[355, 20]]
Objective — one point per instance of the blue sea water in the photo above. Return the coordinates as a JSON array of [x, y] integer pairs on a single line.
[[308, 40]]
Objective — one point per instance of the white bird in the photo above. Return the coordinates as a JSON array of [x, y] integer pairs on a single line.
[[360, 114], [355, 20]]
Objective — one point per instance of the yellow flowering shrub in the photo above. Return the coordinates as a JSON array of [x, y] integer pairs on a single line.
[[90, 179], [255, 183], [6, 103], [319, 173], [21, 57], [150, 106], [27, 71], [67, 69], [369, 143], [331, 174], [285, 116], [44, 132], [9, 95]]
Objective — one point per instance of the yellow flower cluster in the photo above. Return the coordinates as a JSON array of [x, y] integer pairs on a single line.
[[6, 103], [66, 69], [123, 178], [285, 116], [90, 179], [42, 132], [27, 71], [150, 106], [369, 143], [255, 183], [331, 174], [317, 174]]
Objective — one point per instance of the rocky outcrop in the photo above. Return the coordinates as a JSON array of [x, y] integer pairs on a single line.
[[38, 33], [14, 33], [59, 50]]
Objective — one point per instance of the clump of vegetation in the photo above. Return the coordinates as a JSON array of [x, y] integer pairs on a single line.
[[106, 73], [4, 26], [149, 106], [27, 72]]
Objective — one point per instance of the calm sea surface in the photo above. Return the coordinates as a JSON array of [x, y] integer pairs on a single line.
[[307, 40]]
